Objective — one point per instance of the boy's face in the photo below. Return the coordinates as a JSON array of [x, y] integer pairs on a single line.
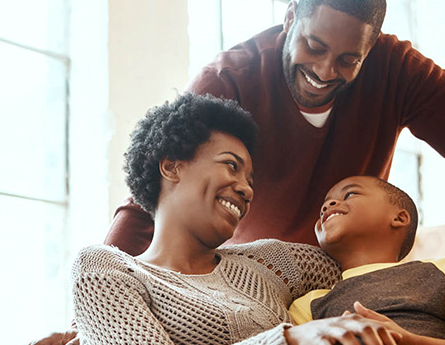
[[356, 211]]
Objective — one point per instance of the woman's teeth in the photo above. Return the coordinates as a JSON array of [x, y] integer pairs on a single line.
[[231, 207]]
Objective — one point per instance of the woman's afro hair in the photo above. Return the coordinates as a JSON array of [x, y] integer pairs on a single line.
[[174, 131]]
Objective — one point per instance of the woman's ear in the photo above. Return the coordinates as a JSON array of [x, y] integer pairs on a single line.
[[169, 169], [289, 17], [401, 219]]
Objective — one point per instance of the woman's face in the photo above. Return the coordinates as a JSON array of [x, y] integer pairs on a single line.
[[214, 189]]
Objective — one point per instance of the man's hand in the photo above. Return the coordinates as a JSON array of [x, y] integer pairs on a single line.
[[66, 338], [342, 330], [408, 338]]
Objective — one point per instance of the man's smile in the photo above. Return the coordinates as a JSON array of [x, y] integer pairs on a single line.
[[313, 82]]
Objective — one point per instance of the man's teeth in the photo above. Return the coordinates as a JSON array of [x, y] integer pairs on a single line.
[[231, 207], [331, 216], [314, 83]]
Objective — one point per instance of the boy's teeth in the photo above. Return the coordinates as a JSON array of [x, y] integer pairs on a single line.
[[333, 215]]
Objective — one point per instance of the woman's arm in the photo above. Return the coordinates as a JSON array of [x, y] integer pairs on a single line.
[[111, 306], [111, 310]]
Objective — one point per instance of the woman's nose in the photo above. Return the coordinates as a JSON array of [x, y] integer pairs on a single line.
[[245, 190]]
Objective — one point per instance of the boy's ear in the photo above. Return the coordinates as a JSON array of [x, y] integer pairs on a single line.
[[169, 169], [289, 17], [401, 219]]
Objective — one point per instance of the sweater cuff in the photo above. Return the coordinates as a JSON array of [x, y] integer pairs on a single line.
[[274, 336]]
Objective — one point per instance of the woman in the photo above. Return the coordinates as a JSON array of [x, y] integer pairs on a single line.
[[189, 165]]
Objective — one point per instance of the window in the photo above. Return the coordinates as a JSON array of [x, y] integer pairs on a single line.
[[226, 23], [34, 167]]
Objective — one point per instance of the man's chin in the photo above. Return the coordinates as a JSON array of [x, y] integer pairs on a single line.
[[314, 102]]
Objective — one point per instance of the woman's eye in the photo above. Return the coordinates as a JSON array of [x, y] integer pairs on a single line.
[[233, 165]]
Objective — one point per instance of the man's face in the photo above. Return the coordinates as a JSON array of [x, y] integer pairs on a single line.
[[323, 54]]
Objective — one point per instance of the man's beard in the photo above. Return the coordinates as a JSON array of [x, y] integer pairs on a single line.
[[290, 75]]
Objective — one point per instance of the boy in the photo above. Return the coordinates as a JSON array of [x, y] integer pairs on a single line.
[[368, 226]]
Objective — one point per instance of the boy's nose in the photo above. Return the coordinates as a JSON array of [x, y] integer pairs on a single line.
[[328, 204]]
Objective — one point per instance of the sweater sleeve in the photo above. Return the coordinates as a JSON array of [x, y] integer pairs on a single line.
[[420, 95], [301, 267], [219, 84], [111, 306], [132, 228], [274, 336], [314, 269]]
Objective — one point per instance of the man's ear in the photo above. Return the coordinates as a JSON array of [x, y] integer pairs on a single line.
[[169, 169], [401, 219], [289, 17]]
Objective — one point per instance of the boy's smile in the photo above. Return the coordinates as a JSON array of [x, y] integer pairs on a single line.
[[329, 215], [356, 212]]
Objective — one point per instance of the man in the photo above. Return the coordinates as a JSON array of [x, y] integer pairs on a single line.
[[330, 94], [325, 81]]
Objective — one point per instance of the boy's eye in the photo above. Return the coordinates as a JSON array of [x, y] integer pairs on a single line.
[[349, 194]]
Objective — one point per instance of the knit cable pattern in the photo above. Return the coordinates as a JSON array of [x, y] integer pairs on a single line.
[[121, 300]]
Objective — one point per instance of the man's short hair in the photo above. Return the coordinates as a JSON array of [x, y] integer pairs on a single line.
[[402, 200], [175, 131], [368, 11]]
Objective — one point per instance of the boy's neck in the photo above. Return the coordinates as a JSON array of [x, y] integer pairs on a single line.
[[355, 259]]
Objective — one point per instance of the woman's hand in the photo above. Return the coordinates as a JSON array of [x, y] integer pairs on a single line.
[[69, 337], [342, 330]]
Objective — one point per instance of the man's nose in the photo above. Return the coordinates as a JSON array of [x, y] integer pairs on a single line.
[[325, 69]]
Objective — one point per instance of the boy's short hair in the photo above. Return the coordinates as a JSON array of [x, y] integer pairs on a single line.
[[399, 198], [175, 131]]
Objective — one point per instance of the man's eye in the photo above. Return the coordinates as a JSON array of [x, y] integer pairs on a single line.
[[314, 51], [350, 62]]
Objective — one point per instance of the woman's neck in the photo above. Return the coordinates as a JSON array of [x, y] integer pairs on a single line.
[[178, 251]]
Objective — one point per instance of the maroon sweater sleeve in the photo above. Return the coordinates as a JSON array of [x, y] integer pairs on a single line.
[[209, 80], [131, 229]]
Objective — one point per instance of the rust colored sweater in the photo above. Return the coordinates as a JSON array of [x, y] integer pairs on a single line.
[[296, 163]]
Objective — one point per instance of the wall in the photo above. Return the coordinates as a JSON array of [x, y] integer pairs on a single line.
[[148, 63]]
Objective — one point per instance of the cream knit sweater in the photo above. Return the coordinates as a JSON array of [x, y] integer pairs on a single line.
[[121, 300]]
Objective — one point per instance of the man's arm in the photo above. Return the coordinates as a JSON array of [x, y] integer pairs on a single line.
[[408, 338], [132, 228]]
